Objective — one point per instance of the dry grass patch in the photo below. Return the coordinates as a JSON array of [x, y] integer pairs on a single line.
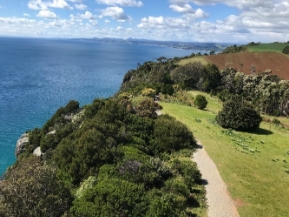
[[200, 59]]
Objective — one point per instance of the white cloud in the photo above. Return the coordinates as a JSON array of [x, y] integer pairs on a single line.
[[59, 4], [185, 8], [80, 6], [116, 13], [93, 22], [40, 5], [188, 11], [255, 20], [47, 14], [26, 15], [121, 2], [74, 18], [241, 4], [37, 5], [87, 15]]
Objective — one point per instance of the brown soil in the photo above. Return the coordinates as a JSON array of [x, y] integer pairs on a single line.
[[244, 61]]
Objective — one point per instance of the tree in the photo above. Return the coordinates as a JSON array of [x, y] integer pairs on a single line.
[[148, 108], [112, 197], [200, 101], [286, 50], [170, 135], [238, 115], [32, 188]]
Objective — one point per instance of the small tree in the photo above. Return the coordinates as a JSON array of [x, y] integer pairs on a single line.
[[32, 188], [238, 115], [286, 50], [201, 102]]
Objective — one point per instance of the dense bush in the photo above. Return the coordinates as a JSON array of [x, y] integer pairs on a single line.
[[171, 135], [200, 101], [286, 50], [238, 115], [32, 188]]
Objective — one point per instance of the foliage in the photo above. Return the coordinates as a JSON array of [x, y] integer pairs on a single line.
[[200, 101], [180, 97], [265, 91], [112, 197], [238, 115], [148, 92], [148, 108], [171, 135], [32, 188], [234, 49], [286, 50]]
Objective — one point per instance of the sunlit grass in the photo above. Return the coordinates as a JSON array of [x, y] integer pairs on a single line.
[[270, 47], [192, 60], [255, 166]]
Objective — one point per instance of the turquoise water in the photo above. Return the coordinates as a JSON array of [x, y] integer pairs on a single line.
[[37, 76]]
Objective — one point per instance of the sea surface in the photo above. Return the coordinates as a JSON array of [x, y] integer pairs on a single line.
[[37, 76]]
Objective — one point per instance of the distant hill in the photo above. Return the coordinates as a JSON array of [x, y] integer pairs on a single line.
[[208, 46]]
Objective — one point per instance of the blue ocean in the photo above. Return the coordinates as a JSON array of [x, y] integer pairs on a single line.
[[37, 76]]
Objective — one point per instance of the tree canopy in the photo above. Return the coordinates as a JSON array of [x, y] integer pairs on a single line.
[[238, 115]]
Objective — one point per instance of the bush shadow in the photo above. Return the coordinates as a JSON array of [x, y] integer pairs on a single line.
[[261, 131]]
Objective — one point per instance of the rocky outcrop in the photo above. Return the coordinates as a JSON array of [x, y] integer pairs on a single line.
[[21, 143], [37, 152]]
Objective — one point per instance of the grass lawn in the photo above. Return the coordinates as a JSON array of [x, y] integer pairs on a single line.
[[255, 166], [194, 59], [270, 47]]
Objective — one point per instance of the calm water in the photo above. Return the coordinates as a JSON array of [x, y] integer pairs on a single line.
[[37, 76]]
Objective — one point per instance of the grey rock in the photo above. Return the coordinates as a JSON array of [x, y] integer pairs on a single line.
[[21, 143], [53, 132], [37, 152]]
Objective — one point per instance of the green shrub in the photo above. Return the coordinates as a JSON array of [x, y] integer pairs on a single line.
[[201, 102], [286, 50], [238, 115]]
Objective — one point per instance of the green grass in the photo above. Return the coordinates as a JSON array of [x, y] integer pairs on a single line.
[[253, 165], [271, 47], [193, 59]]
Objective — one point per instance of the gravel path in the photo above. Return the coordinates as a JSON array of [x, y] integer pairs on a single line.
[[220, 203]]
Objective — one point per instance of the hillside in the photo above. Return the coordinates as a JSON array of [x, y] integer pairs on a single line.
[[255, 166], [109, 158], [119, 157], [253, 63]]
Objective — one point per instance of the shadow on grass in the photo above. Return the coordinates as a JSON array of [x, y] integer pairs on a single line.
[[261, 131]]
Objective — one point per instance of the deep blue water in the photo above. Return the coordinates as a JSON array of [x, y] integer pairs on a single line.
[[37, 76]]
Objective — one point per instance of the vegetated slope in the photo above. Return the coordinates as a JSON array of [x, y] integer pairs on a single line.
[[253, 62], [255, 166], [112, 158]]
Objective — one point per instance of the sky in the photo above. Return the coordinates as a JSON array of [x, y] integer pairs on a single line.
[[233, 21]]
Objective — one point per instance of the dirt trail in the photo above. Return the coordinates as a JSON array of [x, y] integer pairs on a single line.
[[220, 203]]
